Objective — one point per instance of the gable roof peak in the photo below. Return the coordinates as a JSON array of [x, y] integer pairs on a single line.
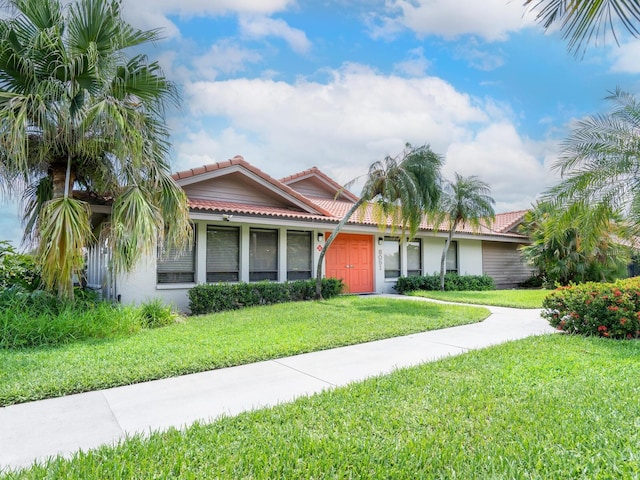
[[314, 171]]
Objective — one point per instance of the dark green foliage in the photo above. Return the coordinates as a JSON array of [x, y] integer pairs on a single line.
[[534, 281], [579, 243], [154, 314], [609, 310], [17, 269], [38, 318], [452, 282], [218, 297]]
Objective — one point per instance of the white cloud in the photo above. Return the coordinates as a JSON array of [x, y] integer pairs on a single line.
[[260, 27], [626, 57], [149, 14], [516, 169], [492, 20], [224, 57], [357, 117], [414, 66], [479, 58]]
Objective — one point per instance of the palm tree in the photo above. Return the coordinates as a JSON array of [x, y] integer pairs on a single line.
[[600, 160], [583, 21], [400, 190], [578, 243], [81, 120], [467, 200]]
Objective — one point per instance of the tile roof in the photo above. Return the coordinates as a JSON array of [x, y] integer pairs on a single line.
[[238, 160], [500, 227], [315, 171], [260, 210], [328, 210]]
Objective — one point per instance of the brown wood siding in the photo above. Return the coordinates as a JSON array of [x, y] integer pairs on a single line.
[[503, 263], [234, 188], [310, 187]]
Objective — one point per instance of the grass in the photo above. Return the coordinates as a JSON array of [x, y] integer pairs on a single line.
[[215, 341], [501, 298], [545, 407]]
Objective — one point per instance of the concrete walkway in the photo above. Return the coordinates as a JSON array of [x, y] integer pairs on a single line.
[[37, 430]]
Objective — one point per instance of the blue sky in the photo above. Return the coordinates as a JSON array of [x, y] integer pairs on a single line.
[[341, 83]]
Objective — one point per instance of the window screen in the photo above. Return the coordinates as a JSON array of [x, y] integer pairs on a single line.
[[175, 266], [391, 249], [223, 254], [452, 257], [414, 258], [263, 254], [298, 255]]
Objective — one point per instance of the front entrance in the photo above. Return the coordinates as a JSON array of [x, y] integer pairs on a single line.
[[350, 257]]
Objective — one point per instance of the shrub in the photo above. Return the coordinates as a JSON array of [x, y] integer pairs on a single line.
[[218, 297], [38, 319], [154, 314], [609, 310], [534, 281], [452, 282], [17, 269]]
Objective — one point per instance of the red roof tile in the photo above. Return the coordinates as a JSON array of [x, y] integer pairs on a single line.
[[500, 227], [261, 210], [238, 160], [329, 210], [315, 171]]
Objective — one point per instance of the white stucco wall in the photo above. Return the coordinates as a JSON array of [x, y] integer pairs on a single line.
[[432, 247], [140, 286], [470, 257]]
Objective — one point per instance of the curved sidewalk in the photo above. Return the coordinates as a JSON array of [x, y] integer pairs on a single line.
[[37, 430]]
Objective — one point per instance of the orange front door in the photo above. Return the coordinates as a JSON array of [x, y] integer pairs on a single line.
[[350, 257]]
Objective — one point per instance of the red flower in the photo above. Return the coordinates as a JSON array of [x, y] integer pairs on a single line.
[[602, 328], [613, 308], [617, 292], [623, 320]]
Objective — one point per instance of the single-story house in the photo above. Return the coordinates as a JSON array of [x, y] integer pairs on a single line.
[[250, 227]]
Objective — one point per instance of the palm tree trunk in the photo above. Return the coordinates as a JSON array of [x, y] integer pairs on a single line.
[[328, 243], [443, 260], [62, 177]]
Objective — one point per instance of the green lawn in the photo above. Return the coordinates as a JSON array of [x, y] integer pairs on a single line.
[[546, 407], [215, 341], [501, 298]]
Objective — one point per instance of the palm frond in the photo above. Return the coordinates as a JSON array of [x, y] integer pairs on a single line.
[[63, 233], [135, 225], [585, 21]]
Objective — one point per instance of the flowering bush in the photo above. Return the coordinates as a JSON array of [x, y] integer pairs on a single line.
[[609, 310]]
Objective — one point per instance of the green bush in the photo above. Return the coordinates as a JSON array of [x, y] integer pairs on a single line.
[[452, 282], [155, 314], [609, 310], [17, 269], [218, 297], [35, 319]]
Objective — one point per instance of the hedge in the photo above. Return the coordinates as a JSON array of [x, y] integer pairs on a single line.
[[217, 297], [609, 310], [452, 282]]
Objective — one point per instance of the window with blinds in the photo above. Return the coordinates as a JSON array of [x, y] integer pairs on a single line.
[[298, 255], [452, 257], [176, 266], [391, 249], [223, 254], [414, 258], [263, 254]]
